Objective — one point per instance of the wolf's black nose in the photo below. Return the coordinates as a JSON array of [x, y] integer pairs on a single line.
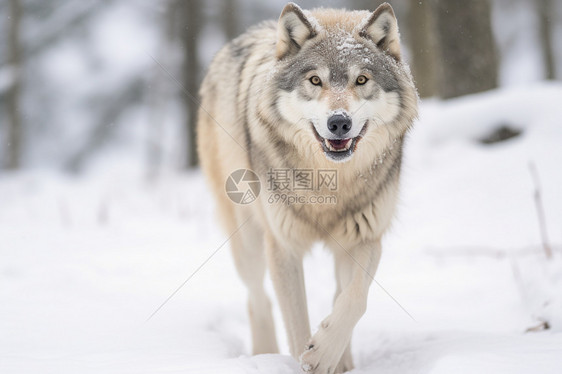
[[339, 124]]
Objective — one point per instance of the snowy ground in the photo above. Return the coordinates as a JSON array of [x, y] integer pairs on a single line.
[[84, 262]]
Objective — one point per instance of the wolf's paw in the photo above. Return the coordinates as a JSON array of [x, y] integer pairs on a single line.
[[316, 359], [310, 359], [326, 351]]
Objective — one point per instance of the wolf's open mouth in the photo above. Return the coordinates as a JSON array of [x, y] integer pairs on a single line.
[[339, 150], [338, 145]]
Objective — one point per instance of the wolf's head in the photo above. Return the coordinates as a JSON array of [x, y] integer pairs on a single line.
[[341, 78]]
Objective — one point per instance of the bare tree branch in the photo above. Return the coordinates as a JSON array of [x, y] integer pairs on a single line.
[[540, 210]]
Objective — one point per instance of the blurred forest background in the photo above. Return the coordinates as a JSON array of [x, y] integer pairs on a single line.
[[84, 82]]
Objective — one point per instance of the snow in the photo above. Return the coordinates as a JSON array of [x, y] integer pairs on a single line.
[[346, 45], [311, 19], [86, 260], [338, 112]]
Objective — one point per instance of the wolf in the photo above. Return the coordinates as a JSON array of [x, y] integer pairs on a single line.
[[324, 89]]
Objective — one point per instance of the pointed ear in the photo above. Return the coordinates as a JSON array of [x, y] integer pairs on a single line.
[[381, 27], [293, 30]]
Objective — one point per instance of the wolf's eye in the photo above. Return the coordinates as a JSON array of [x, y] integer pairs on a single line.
[[315, 80], [361, 80]]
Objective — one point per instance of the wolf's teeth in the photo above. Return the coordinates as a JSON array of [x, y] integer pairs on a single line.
[[332, 149]]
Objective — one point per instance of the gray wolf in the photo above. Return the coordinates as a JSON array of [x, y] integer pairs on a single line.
[[323, 89]]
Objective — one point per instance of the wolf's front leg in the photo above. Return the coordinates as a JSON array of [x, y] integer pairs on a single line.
[[326, 347], [285, 267]]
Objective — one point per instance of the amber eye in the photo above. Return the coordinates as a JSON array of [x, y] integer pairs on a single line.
[[315, 80], [361, 80]]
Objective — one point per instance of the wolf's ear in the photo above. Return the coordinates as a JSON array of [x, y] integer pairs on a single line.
[[382, 28], [293, 30]]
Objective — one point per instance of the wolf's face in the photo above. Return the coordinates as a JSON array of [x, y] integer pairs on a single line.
[[338, 76]]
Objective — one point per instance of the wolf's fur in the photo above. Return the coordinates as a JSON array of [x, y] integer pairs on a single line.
[[260, 111]]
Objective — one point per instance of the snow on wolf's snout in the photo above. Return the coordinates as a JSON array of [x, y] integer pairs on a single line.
[[338, 82]]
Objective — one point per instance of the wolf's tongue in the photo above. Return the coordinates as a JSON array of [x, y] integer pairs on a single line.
[[338, 143]]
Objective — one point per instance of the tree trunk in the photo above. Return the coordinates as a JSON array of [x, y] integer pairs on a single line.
[[189, 34], [545, 11], [469, 62], [422, 46], [159, 95], [230, 19], [14, 124]]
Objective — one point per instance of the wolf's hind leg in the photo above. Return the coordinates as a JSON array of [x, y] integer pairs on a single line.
[[286, 268], [248, 252]]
